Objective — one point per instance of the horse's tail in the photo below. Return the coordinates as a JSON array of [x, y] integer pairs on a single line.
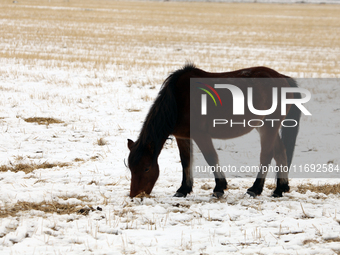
[[289, 134]]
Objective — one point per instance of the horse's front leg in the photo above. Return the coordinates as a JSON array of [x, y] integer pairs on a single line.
[[184, 146], [206, 146]]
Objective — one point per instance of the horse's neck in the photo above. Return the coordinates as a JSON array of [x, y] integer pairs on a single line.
[[160, 121]]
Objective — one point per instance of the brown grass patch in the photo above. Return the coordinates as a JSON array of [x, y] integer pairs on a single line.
[[43, 120], [330, 240], [143, 195], [206, 186], [133, 110], [93, 182], [101, 142], [28, 168], [49, 207], [46, 207], [94, 158], [308, 241], [325, 189], [78, 160], [271, 186]]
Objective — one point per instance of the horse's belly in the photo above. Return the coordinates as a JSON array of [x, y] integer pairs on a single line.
[[225, 131]]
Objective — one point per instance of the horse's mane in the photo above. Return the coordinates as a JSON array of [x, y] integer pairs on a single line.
[[162, 117]]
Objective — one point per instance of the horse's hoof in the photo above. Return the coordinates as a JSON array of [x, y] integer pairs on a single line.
[[218, 194], [251, 193], [179, 194], [277, 194]]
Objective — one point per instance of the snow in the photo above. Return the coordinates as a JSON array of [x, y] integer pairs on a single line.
[[159, 224], [99, 182]]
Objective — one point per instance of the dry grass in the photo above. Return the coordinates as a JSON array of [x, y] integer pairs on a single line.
[[43, 120], [303, 188], [147, 98], [325, 189], [93, 182], [133, 110], [310, 241], [143, 195], [271, 186], [90, 84], [79, 160], [83, 207], [333, 239], [94, 158], [46, 207], [28, 168], [140, 35], [206, 186], [101, 142]]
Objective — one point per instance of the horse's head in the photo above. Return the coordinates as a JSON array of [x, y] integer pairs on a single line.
[[144, 168]]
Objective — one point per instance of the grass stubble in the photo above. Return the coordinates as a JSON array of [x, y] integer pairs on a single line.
[[141, 35]]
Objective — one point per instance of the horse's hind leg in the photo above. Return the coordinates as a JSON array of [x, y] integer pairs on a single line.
[[184, 146], [267, 135], [206, 146], [281, 162]]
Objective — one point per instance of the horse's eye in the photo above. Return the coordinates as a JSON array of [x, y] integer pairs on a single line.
[[147, 170]]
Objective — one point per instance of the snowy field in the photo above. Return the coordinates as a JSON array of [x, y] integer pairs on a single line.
[[77, 79]]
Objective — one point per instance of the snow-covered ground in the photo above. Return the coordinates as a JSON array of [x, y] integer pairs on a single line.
[[99, 108]]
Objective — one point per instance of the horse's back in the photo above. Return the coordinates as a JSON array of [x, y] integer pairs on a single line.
[[262, 97]]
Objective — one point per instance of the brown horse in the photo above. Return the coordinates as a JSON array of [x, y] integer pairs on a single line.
[[170, 114]]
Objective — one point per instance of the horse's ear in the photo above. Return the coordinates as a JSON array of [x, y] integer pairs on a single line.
[[130, 144]]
